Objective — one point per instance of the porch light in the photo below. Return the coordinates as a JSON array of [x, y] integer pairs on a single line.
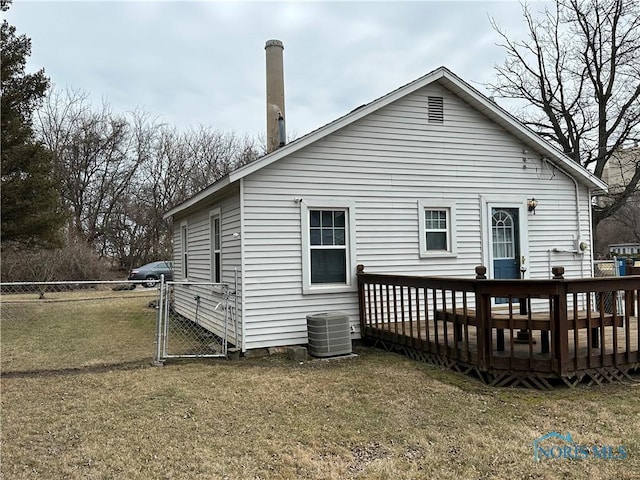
[[531, 205]]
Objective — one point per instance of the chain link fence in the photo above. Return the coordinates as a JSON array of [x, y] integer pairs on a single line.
[[196, 320], [609, 268], [62, 326], [56, 326]]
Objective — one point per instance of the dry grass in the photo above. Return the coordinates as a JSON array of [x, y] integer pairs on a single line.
[[377, 416], [76, 329]]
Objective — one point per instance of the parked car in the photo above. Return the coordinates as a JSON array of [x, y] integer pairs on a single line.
[[151, 273]]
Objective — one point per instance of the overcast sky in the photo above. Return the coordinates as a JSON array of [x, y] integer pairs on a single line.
[[202, 62]]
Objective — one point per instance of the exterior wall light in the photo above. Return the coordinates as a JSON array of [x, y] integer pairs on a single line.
[[531, 205]]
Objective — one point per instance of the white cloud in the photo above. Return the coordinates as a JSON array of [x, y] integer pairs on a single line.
[[203, 62]]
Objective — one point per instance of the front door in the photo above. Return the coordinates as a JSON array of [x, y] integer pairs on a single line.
[[505, 244]]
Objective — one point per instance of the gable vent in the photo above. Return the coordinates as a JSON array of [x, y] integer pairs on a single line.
[[435, 109]]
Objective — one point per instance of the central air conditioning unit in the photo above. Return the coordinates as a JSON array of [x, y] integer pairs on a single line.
[[329, 334]]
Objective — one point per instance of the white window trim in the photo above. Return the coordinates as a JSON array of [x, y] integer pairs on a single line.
[[449, 207], [487, 203], [215, 213], [184, 250], [327, 204]]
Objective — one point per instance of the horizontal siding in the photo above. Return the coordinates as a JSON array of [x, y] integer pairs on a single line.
[[385, 163], [199, 248]]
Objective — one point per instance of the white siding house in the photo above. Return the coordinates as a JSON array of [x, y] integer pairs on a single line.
[[432, 179]]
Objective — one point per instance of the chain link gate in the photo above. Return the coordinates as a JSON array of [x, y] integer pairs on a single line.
[[195, 320]]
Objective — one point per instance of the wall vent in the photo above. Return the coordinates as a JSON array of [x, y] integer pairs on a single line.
[[435, 109], [329, 334]]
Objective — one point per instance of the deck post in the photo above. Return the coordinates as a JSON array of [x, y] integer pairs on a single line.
[[628, 264], [361, 300], [629, 304], [483, 312], [560, 322]]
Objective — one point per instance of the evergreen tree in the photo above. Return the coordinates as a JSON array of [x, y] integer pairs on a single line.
[[31, 207]]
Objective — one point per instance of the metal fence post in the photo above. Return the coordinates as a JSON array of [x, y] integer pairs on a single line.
[[157, 361], [166, 320]]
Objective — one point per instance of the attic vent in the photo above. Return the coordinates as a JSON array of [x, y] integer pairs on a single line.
[[435, 110]]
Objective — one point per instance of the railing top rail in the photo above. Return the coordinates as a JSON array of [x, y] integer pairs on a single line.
[[603, 284], [499, 287], [459, 283]]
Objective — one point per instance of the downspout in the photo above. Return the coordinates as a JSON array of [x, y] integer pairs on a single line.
[[243, 330], [592, 236], [578, 250]]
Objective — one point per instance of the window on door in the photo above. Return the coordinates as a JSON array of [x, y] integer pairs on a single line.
[[503, 233]]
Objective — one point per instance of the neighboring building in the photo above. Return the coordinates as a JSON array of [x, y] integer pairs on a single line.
[[433, 178], [624, 249]]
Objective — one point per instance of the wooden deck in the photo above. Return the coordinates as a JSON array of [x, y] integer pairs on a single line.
[[512, 345], [453, 322]]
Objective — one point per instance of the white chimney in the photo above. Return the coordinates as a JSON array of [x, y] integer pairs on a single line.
[[276, 133]]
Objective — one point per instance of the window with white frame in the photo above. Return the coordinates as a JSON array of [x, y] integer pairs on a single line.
[[328, 246], [185, 251], [437, 229], [216, 257]]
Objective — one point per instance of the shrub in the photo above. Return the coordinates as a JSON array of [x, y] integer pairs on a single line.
[[75, 261]]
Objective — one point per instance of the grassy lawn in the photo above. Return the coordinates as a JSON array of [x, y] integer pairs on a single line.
[[78, 329], [376, 416]]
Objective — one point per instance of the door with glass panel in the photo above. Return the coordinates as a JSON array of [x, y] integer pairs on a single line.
[[505, 244]]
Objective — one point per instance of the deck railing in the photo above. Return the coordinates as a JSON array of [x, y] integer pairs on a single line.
[[508, 331]]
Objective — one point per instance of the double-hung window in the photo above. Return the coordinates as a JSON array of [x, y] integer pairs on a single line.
[[437, 229], [216, 246], [328, 246], [184, 239]]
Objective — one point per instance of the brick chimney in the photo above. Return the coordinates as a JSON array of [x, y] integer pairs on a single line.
[[276, 133]]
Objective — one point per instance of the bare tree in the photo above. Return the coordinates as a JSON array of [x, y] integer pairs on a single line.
[[579, 74], [213, 154], [94, 159], [119, 174], [173, 166], [623, 226]]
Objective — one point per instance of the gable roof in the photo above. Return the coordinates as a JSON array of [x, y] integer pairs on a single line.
[[451, 82]]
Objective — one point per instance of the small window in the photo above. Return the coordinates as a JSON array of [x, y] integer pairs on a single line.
[[437, 229], [185, 251], [435, 109], [216, 258]]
